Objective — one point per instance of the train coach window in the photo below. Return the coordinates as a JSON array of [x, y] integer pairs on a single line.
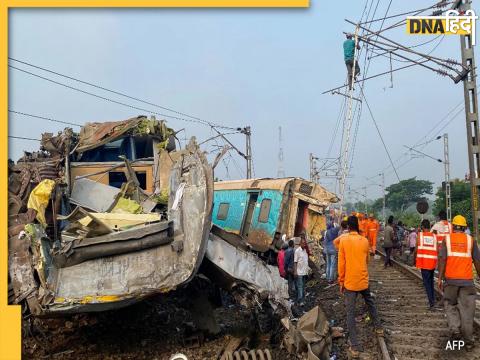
[[264, 210], [223, 211]]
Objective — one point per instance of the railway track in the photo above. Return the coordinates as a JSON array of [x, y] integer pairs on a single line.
[[412, 331]]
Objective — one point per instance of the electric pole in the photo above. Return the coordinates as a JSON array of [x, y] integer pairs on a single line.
[[314, 174], [248, 153], [471, 115], [248, 156], [365, 196], [446, 161], [383, 189], [281, 170], [344, 159]]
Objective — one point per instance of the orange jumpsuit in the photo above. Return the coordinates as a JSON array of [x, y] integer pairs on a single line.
[[362, 224], [372, 231]]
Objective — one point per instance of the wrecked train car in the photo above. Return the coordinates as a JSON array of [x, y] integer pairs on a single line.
[[101, 219], [261, 211], [250, 219]]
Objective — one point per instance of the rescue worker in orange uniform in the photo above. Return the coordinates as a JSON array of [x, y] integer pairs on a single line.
[[456, 279], [425, 256], [353, 280], [372, 231], [362, 224]]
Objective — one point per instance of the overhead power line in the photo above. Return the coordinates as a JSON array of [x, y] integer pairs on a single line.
[[43, 118], [192, 118], [380, 135], [22, 138], [112, 100]]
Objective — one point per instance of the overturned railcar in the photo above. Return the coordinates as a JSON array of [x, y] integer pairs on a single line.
[[104, 218], [262, 211]]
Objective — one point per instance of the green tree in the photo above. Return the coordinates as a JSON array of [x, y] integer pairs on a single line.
[[402, 194], [461, 197], [410, 219], [377, 207]]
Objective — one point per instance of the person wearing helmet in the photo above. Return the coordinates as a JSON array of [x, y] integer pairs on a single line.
[[455, 278], [441, 227]]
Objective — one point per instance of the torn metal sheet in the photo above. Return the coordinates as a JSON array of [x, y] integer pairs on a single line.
[[121, 242], [311, 335], [84, 224], [119, 280], [93, 195], [247, 267]]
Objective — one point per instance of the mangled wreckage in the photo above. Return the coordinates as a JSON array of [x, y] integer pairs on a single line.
[[106, 217], [252, 218]]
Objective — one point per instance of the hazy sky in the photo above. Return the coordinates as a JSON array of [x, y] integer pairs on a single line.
[[261, 67]]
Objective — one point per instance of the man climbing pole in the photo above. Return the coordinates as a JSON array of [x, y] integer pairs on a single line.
[[349, 56]]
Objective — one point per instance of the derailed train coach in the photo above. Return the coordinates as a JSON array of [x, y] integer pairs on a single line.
[[264, 212], [251, 219], [106, 217]]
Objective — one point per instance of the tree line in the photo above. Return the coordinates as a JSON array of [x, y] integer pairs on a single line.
[[401, 198]]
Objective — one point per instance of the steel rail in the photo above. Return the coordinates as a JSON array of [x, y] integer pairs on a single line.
[[404, 268]]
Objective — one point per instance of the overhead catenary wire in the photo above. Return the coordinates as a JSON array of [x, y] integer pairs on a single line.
[[23, 138], [109, 99], [414, 46], [192, 118], [212, 126], [419, 11], [43, 118], [380, 135]]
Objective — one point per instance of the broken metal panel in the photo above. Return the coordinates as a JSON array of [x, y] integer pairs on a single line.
[[317, 223], [115, 281], [246, 267], [93, 195], [127, 241], [93, 135], [311, 337]]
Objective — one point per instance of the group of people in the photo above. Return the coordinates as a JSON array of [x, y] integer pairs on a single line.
[[368, 227], [450, 250], [443, 247], [292, 261]]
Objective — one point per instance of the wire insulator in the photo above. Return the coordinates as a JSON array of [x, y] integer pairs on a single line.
[[441, 4], [442, 73], [437, 13], [452, 61]]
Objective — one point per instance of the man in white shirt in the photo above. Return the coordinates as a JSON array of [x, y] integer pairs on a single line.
[[300, 269]]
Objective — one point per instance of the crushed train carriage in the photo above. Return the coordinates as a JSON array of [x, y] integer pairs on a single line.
[[106, 217], [251, 218], [263, 211]]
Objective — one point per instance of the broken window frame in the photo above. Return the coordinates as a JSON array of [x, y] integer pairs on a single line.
[[262, 217], [221, 211]]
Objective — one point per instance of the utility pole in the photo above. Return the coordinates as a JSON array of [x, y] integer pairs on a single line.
[[365, 196], [383, 189], [281, 170], [446, 161], [471, 115], [248, 151], [314, 173], [344, 161]]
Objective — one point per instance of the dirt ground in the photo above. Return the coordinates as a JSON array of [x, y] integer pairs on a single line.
[[160, 327]]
